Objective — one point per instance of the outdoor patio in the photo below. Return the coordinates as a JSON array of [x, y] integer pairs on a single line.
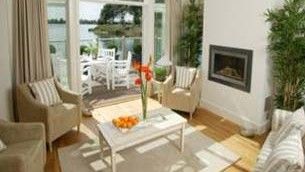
[[101, 96]]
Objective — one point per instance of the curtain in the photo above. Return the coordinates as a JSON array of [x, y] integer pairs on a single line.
[[31, 58], [174, 11]]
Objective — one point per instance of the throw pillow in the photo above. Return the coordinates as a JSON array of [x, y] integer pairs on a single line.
[[45, 92], [2, 146], [184, 77], [287, 155], [297, 120]]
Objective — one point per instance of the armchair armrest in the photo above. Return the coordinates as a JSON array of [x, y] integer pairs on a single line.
[[195, 89], [279, 116], [29, 109], [19, 132], [196, 86], [168, 83], [12, 163], [67, 95]]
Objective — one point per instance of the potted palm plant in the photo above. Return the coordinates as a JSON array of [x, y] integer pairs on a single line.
[[287, 50], [190, 42]]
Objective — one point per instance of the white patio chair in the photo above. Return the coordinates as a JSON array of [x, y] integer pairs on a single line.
[[120, 72], [102, 70], [106, 54], [86, 80], [60, 69]]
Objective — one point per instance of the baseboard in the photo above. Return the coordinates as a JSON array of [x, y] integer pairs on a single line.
[[229, 115]]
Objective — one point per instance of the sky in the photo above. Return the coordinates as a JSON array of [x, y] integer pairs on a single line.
[[87, 10], [90, 10]]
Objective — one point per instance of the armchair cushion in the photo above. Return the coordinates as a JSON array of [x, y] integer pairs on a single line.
[[2, 146], [45, 92], [181, 92], [184, 76], [297, 120], [287, 155]]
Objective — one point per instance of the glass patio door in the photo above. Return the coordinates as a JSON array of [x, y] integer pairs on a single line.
[[159, 29], [57, 30]]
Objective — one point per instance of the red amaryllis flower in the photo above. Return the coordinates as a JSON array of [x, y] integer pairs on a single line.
[[145, 69], [148, 76], [138, 81], [136, 66]]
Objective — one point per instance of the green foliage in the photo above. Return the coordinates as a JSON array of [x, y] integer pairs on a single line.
[[92, 49], [190, 43], [287, 49], [112, 11], [160, 73], [84, 49], [111, 46], [137, 48], [117, 30], [52, 49]]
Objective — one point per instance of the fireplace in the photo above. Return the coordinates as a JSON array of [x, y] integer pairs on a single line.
[[231, 67]]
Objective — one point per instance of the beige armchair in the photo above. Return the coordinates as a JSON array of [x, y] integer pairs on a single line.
[[57, 119], [26, 148], [182, 99]]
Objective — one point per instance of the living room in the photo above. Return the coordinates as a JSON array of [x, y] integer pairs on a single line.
[[152, 85]]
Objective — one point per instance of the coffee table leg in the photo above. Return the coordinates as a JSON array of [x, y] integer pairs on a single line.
[[113, 161], [182, 138], [101, 145]]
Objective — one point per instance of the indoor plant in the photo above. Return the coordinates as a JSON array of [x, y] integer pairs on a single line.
[[160, 73], [287, 50], [145, 76], [190, 43]]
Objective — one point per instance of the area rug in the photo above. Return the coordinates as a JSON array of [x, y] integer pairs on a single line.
[[201, 154]]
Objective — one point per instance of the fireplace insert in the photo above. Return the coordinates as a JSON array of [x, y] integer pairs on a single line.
[[231, 67]]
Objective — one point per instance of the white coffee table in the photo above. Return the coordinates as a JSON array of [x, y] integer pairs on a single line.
[[161, 122]]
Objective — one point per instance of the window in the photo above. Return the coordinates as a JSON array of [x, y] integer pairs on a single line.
[[58, 39], [159, 30]]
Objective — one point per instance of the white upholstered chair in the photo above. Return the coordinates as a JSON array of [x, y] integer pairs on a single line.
[[183, 99], [120, 72]]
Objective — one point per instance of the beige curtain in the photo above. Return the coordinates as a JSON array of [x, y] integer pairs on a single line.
[[30, 41], [174, 11]]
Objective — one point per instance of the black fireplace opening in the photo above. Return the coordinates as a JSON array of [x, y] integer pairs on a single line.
[[231, 66]]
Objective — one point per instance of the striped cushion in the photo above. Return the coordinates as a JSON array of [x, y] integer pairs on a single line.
[[287, 156], [45, 92], [264, 154], [184, 76], [279, 117], [297, 120], [2, 146]]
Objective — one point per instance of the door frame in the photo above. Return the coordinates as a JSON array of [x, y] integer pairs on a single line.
[[72, 10]]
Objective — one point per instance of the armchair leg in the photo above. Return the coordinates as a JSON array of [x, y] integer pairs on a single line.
[[78, 128], [50, 146], [191, 115]]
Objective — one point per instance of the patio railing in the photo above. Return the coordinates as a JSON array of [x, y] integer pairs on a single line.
[[122, 45]]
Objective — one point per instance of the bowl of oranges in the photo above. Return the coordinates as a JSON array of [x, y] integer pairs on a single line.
[[125, 123]]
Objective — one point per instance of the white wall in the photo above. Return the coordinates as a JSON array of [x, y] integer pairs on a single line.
[[6, 60], [240, 24]]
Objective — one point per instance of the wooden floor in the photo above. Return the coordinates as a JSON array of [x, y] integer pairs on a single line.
[[221, 130]]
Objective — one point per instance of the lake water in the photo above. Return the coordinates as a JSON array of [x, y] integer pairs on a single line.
[[58, 32]]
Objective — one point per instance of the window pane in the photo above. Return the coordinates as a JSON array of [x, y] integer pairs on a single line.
[[159, 31], [58, 39]]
